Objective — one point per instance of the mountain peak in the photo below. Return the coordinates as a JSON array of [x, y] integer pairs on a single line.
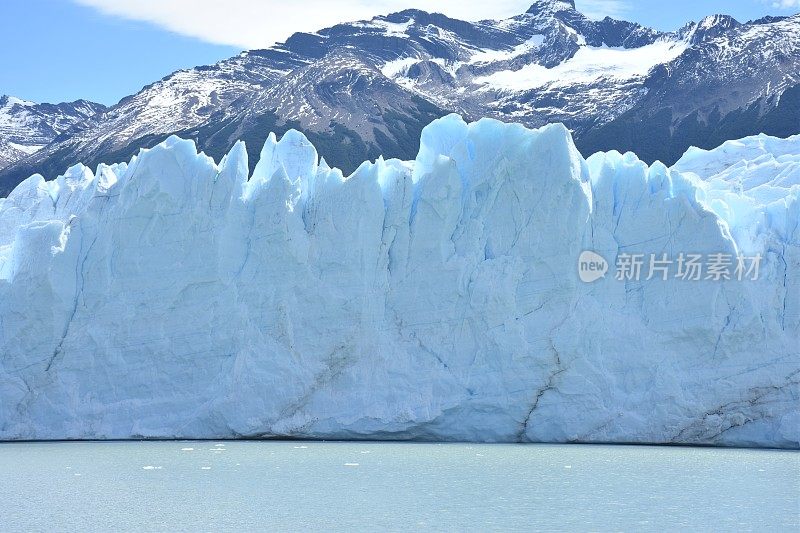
[[711, 26], [551, 6], [712, 21], [7, 100]]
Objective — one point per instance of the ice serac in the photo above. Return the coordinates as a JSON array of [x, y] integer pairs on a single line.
[[434, 299]]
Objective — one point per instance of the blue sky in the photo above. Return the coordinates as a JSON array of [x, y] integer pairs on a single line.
[[103, 50]]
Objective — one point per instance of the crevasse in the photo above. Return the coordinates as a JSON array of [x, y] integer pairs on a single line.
[[434, 299]]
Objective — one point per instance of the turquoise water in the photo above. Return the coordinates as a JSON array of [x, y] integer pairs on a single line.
[[212, 486]]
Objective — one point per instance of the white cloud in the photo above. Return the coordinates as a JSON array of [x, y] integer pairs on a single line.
[[784, 4], [260, 23], [598, 9]]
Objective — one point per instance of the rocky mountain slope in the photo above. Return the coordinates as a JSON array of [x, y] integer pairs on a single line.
[[366, 88], [26, 127]]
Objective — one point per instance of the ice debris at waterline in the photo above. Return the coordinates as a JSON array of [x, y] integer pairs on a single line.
[[439, 299]]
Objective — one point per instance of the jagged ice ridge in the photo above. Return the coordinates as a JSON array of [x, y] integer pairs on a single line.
[[434, 299]]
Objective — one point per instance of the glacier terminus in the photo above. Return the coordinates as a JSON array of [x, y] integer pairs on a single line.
[[436, 299]]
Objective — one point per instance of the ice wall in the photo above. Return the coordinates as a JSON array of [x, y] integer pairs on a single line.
[[435, 299]]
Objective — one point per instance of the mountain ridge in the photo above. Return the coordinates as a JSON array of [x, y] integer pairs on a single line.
[[367, 88], [26, 127]]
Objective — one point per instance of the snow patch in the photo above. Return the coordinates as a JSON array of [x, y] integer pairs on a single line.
[[396, 29], [588, 65], [28, 149], [398, 67], [491, 56]]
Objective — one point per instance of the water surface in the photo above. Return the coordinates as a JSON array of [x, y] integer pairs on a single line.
[[154, 486]]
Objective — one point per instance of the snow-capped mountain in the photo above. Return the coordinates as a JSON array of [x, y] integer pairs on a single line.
[[734, 80], [366, 88], [26, 127], [439, 298]]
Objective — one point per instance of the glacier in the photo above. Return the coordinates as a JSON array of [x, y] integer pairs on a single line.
[[439, 299]]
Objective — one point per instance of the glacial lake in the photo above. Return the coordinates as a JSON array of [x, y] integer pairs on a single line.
[[293, 486]]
